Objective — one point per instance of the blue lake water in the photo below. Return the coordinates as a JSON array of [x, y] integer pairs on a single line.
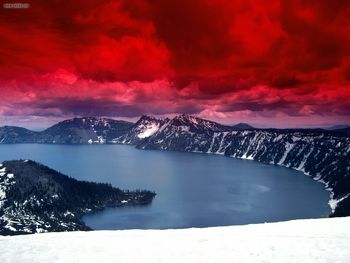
[[193, 190]]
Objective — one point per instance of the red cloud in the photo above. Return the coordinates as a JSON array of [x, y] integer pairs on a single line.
[[221, 58]]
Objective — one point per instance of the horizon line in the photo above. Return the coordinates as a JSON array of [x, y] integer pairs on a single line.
[[127, 119]]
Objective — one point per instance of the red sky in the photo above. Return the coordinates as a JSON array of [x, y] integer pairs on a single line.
[[266, 62]]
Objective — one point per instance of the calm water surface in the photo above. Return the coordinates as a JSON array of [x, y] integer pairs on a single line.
[[193, 190]]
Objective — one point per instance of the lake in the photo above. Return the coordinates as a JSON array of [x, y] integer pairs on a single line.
[[193, 190]]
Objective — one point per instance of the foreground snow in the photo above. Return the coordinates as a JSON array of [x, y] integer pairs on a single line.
[[312, 240]]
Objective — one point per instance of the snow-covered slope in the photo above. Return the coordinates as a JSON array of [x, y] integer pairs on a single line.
[[145, 127], [311, 240]]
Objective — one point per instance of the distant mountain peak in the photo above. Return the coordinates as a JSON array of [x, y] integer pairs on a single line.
[[148, 118], [242, 126], [337, 127], [197, 124], [187, 118]]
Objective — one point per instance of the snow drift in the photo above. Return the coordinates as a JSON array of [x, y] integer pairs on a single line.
[[311, 240]]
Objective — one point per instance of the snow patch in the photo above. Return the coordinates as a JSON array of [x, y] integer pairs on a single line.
[[279, 137], [333, 203], [246, 157], [289, 147], [100, 140], [149, 130]]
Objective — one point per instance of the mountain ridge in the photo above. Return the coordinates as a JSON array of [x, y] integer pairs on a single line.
[[337, 127], [84, 130], [100, 130]]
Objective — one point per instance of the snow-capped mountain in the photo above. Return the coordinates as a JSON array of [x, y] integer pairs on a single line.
[[145, 127], [177, 133], [35, 198], [195, 124]]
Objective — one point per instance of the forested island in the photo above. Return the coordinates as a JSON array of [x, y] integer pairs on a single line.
[[35, 198]]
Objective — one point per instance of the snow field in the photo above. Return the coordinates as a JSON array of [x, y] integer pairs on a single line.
[[310, 240]]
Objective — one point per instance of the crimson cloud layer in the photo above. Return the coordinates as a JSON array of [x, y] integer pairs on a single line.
[[269, 62]]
